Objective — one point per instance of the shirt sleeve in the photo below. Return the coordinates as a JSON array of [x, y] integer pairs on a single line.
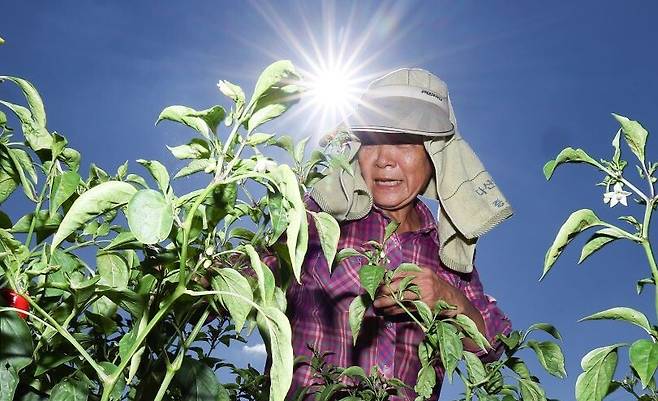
[[495, 321]]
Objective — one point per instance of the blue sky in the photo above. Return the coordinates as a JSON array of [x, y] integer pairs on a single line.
[[526, 80]]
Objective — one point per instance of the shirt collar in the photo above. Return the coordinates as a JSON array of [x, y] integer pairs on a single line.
[[427, 222]]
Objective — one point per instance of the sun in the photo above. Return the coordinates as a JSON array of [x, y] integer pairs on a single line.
[[331, 91], [337, 55]]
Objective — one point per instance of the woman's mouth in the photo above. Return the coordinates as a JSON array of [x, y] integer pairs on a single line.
[[384, 182]]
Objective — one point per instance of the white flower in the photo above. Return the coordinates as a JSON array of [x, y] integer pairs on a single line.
[[618, 195], [263, 165]]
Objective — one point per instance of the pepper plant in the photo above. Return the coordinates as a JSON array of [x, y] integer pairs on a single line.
[[131, 286], [599, 365], [444, 332]]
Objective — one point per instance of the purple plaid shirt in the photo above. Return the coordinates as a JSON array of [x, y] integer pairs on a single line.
[[318, 308]]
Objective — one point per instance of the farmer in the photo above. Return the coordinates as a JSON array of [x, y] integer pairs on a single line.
[[402, 142]]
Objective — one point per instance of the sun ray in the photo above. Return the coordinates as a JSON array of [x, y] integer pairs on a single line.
[[337, 54]]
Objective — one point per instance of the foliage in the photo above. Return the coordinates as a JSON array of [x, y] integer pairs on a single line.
[[599, 365], [171, 276], [445, 331]]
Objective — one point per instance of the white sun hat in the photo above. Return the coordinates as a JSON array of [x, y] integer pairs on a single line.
[[407, 100]]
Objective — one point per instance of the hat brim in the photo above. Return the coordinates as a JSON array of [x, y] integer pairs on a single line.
[[397, 114]]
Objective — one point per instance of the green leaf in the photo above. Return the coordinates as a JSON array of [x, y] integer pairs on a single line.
[[598, 240], [615, 144], [25, 169], [390, 229], [150, 216], [14, 165], [110, 368], [123, 240], [258, 138], [297, 231], [134, 178], [70, 389], [194, 167], [44, 223], [33, 99], [50, 360], [545, 327], [354, 371], [426, 381], [229, 280], [635, 135], [568, 155], [36, 135], [63, 187], [278, 215], [212, 116], [272, 105], [8, 183], [98, 200], [284, 142], [233, 91], [113, 269], [622, 313], [424, 311], [276, 74], [159, 173], [370, 277], [71, 158], [275, 329], [183, 115], [196, 381], [519, 367], [407, 267], [599, 367], [8, 382], [550, 356], [643, 355], [197, 148], [595, 356], [471, 330], [16, 340], [263, 274], [357, 310], [450, 347], [530, 391], [347, 253], [221, 202], [298, 155], [340, 162], [329, 233], [639, 286], [577, 222], [477, 374]]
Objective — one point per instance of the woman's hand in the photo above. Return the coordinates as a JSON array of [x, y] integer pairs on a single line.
[[431, 289]]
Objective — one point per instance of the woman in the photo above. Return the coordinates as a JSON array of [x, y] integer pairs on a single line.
[[402, 143]]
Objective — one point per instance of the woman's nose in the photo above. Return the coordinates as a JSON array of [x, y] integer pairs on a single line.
[[385, 156]]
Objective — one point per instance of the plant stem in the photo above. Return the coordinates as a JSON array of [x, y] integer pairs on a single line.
[[220, 163], [412, 316], [37, 209], [646, 244], [110, 382], [174, 367], [625, 181], [83, 352], [648, 177], [186, 233]]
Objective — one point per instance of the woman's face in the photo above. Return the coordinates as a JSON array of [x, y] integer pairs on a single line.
[[395, 167]]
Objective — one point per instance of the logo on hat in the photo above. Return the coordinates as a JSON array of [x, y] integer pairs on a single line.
[[426, 92]]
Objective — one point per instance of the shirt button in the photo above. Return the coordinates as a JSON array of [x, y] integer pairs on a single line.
[[388, 325]]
